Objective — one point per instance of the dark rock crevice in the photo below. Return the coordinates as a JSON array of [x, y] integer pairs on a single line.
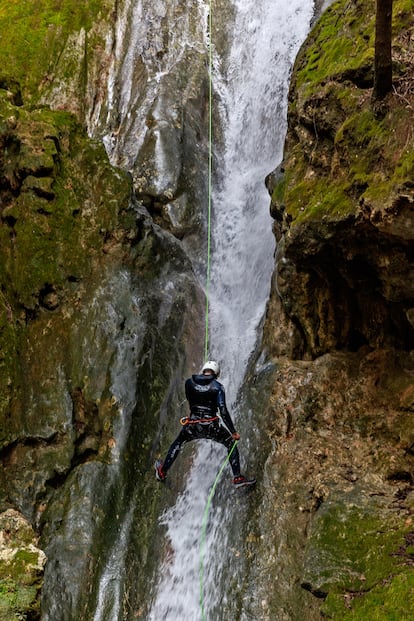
[[347, 285]]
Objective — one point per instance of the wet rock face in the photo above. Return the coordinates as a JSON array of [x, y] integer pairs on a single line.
[[52, 184], [99, 316], [343, 199], [99, 307], [154, 116], [334, 514], [337, 503], [346, 284]]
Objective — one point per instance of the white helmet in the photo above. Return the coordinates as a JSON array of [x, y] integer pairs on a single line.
[[211, 365]]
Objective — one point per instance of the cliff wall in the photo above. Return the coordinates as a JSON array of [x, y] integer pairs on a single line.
[[336, 515], [99, 310]]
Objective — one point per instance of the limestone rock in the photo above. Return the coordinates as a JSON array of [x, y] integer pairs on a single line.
[[21, 567], [336, 517]]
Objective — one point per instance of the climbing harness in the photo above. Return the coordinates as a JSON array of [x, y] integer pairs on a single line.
[[186, 420], [204, 527]]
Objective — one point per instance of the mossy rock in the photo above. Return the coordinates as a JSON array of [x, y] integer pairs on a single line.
[[344, 155], [359, 553], [41, 30], [392, 600], [62, 198], [21, 568], [62, 204], [340, 46]]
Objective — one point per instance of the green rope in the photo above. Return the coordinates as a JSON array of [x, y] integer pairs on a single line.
[[204, 527], [210, 167], [206, 342]]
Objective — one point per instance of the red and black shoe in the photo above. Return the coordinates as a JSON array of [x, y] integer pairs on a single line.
[[242, 481], [159, 471]]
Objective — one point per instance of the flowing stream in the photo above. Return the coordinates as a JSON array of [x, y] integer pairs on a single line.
[[251, 84]]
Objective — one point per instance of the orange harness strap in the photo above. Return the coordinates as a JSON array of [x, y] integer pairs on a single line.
[[185, 420]]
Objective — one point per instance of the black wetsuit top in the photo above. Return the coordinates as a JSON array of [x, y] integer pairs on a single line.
[[205, 396]]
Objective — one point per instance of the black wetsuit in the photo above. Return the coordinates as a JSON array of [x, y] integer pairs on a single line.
[[206, 398]]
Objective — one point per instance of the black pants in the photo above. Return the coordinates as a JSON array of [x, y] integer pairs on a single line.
[[204, 431]]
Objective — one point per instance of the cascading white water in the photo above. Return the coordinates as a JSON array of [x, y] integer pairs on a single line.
[[253, 98]]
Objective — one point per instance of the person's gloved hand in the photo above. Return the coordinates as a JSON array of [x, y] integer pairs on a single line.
[[235, 436]]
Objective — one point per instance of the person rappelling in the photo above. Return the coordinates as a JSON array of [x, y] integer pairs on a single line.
[[206, 398]]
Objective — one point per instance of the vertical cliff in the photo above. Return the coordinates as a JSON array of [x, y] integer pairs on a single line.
[[99, 310], [335, 526]]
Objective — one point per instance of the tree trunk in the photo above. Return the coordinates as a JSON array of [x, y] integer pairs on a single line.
[[383, 58]]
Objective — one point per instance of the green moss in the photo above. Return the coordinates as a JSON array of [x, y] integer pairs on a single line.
[[69, 200], [393, 600], [404, 170], [20, 574], [379, 161], [16, 601], [401, 14], [313, 198], [40, 31], [62, 201], [341, 41], [357, 554], [347, 153], [317, 198], [362, 127], [8, 349], [278, 194]]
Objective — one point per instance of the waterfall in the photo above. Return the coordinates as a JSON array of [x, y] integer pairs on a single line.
[[158, 52], [251, 83]]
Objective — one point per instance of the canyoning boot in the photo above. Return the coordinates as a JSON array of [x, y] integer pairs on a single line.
[[159, 471], [242, 481]]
